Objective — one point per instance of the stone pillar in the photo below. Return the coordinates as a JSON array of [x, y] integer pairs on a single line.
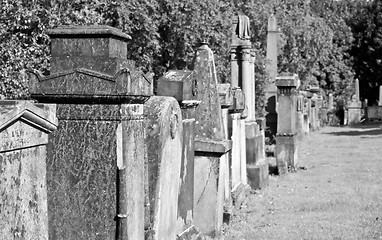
[[286, 146], [95, 164], [181, 85], [271, 90], [380, 96], [330, 104], [24, 129], [210, 146]]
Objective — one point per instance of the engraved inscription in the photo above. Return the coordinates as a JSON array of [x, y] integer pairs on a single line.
[[21, 135]]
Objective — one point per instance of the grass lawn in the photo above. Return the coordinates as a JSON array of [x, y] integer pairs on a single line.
[[338, 196]]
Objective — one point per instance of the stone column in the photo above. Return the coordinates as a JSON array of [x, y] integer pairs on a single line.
[[24, 129], [380, 96], [286, 146], [247, 83], [96, 158]]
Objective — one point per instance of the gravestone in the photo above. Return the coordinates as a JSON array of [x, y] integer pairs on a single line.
[[95, 164], [286, 144], [164, 140], [182, 85], [210, 147], [24, 129]]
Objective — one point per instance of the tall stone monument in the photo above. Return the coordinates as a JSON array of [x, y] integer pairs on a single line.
[[271, 67], [286, 142], [95, 164], [246, 80], [210, 146], [24, 129]]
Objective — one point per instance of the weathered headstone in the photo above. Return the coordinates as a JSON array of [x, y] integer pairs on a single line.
[[95, 165], [286, 144], [182, 85], [164, 140], [210, 147], [24, 129]]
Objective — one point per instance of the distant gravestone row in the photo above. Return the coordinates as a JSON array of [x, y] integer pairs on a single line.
[[97, 156]]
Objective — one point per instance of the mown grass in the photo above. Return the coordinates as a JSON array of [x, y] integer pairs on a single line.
[[339, 196]]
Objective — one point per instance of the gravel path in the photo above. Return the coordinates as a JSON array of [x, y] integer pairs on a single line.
[[338, 196]]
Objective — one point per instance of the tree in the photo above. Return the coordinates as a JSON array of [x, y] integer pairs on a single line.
[[367, 49]]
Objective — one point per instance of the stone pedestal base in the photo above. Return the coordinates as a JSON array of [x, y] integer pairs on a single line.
[[286, 153], [258, 175], [209, 185]]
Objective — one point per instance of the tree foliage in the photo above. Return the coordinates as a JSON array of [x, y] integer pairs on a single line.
[[321, 40]]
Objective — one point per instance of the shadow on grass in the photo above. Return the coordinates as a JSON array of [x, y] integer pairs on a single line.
[[371, 132]]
